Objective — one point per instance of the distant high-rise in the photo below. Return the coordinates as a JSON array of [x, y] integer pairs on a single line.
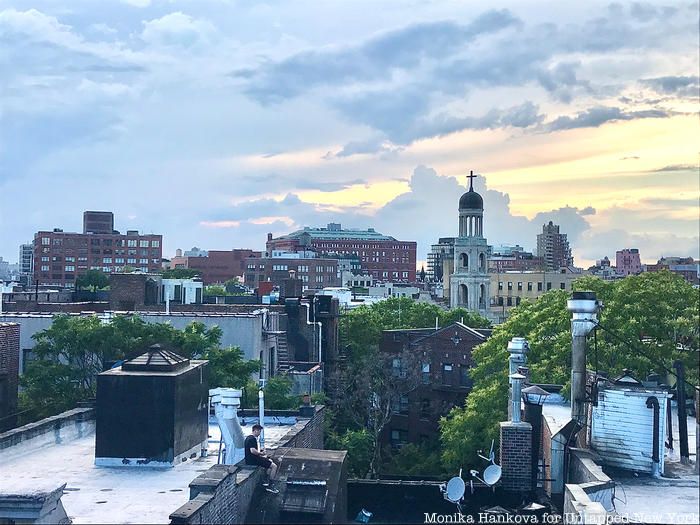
[[627, 261], [553, 247], [26, 261]]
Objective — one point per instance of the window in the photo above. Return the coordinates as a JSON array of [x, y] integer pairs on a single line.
[[57, 242], [510, 285], [70, 259], [155, 261], [425, 408], [529, 287], [562, 286], [131, 261], [500, 301], [397, 368], [500, 286], [107, 242], [45, 241], [251, 267], [425, 373], [131, 252], [143, 244], [549, 286], [45, 259], [119, 260], [143, 261], [446, 373], [509, 301], [131, 243], [405, 275], [95, 242], [520, 286], [539, 287], [464, 379], [45, 268], [107, 260], [155, 244], [398, 438], [70, 268]]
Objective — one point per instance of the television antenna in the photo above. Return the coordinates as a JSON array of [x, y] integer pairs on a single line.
[[492, 473], [453, 491]]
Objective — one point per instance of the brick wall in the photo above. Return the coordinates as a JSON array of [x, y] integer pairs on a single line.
[[9, 374], [223, 493], [516, 456]]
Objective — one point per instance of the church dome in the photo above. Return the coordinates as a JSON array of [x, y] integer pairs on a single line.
[[471, 200]]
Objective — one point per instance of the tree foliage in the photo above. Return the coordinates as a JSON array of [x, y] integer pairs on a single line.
[[94, 279], [180, 273], [656, 312], [74, 349]]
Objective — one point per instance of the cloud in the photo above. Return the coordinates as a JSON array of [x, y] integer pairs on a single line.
[[597, 116], [177, 29], [368, 147], [376, 59], [137, 3], [679, 86]]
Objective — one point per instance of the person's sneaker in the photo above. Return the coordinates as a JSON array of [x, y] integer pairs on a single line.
[[272, 490], [266, 484]]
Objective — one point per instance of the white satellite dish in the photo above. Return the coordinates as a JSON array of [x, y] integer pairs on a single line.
[[455, 490], [492, 474]]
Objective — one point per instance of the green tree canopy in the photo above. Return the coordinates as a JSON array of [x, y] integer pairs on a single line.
[[92, 279], [180, 273], [74, 349], [656, 312]]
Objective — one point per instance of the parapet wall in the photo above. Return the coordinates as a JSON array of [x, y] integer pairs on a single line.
[[223, 493], [61, 428], [588, 497]]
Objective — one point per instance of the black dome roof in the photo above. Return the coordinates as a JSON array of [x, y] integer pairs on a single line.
[[471, 200]]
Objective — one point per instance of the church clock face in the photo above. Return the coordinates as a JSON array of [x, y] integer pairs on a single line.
[[469, 284]]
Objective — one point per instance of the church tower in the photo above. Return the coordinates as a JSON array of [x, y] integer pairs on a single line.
[[469, 284]]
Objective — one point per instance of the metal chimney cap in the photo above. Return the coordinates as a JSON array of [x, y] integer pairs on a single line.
[[583, 303], [518, 345], [517, 377]]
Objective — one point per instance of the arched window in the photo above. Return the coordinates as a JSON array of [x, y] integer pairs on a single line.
[[463, 294], [482, 296], [482, 262], [464, 260]]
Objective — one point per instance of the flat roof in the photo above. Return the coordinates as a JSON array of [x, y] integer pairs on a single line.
[[117, 494]]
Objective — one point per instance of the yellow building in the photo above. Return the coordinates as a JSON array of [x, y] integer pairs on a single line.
[[509, 289]]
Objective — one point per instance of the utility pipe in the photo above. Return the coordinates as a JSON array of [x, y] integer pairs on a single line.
[[653, 402]]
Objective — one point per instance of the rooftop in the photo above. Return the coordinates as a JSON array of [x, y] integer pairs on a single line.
[[115, 495], [348, 234]]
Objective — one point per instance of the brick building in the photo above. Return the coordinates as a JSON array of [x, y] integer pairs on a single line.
[[381, 256], [443, 381], [627, 261], [686, 267], [313, 273], [513, 258], [9, 374], [61, 257], [217, 266]]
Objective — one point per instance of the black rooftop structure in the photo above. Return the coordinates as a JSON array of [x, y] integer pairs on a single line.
[[157, 359]]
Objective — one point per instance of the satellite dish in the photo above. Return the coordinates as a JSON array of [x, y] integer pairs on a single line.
[[455, 490], [492, 474]]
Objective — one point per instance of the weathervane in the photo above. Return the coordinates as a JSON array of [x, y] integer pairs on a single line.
[[471, 178]]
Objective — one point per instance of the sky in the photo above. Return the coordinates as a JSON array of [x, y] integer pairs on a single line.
[[214, 122]]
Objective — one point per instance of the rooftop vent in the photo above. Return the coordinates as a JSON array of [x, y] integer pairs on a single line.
[[157, 359]]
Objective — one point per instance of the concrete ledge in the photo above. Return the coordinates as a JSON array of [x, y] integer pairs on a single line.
[[67, 426]]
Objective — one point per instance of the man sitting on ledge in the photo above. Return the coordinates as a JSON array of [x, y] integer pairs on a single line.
[[255, 456]]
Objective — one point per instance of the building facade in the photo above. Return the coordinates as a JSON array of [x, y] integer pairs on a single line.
[[553, 247], [9, 374], [439, 253], [443, 381], [470, 284], [315, 273], [627, 261], [508, 258], [217, 266], [511, 288], [61, 257], [26, 262], [686, 267], [382, 256]]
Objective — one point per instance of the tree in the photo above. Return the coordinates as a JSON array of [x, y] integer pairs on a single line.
[[215, 289], [415, 460], [228, 368], [373, 394], [359, 444], [277, 394], [73, 350], [655, 313], [421, 275], [92, 279], [180, 273]]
